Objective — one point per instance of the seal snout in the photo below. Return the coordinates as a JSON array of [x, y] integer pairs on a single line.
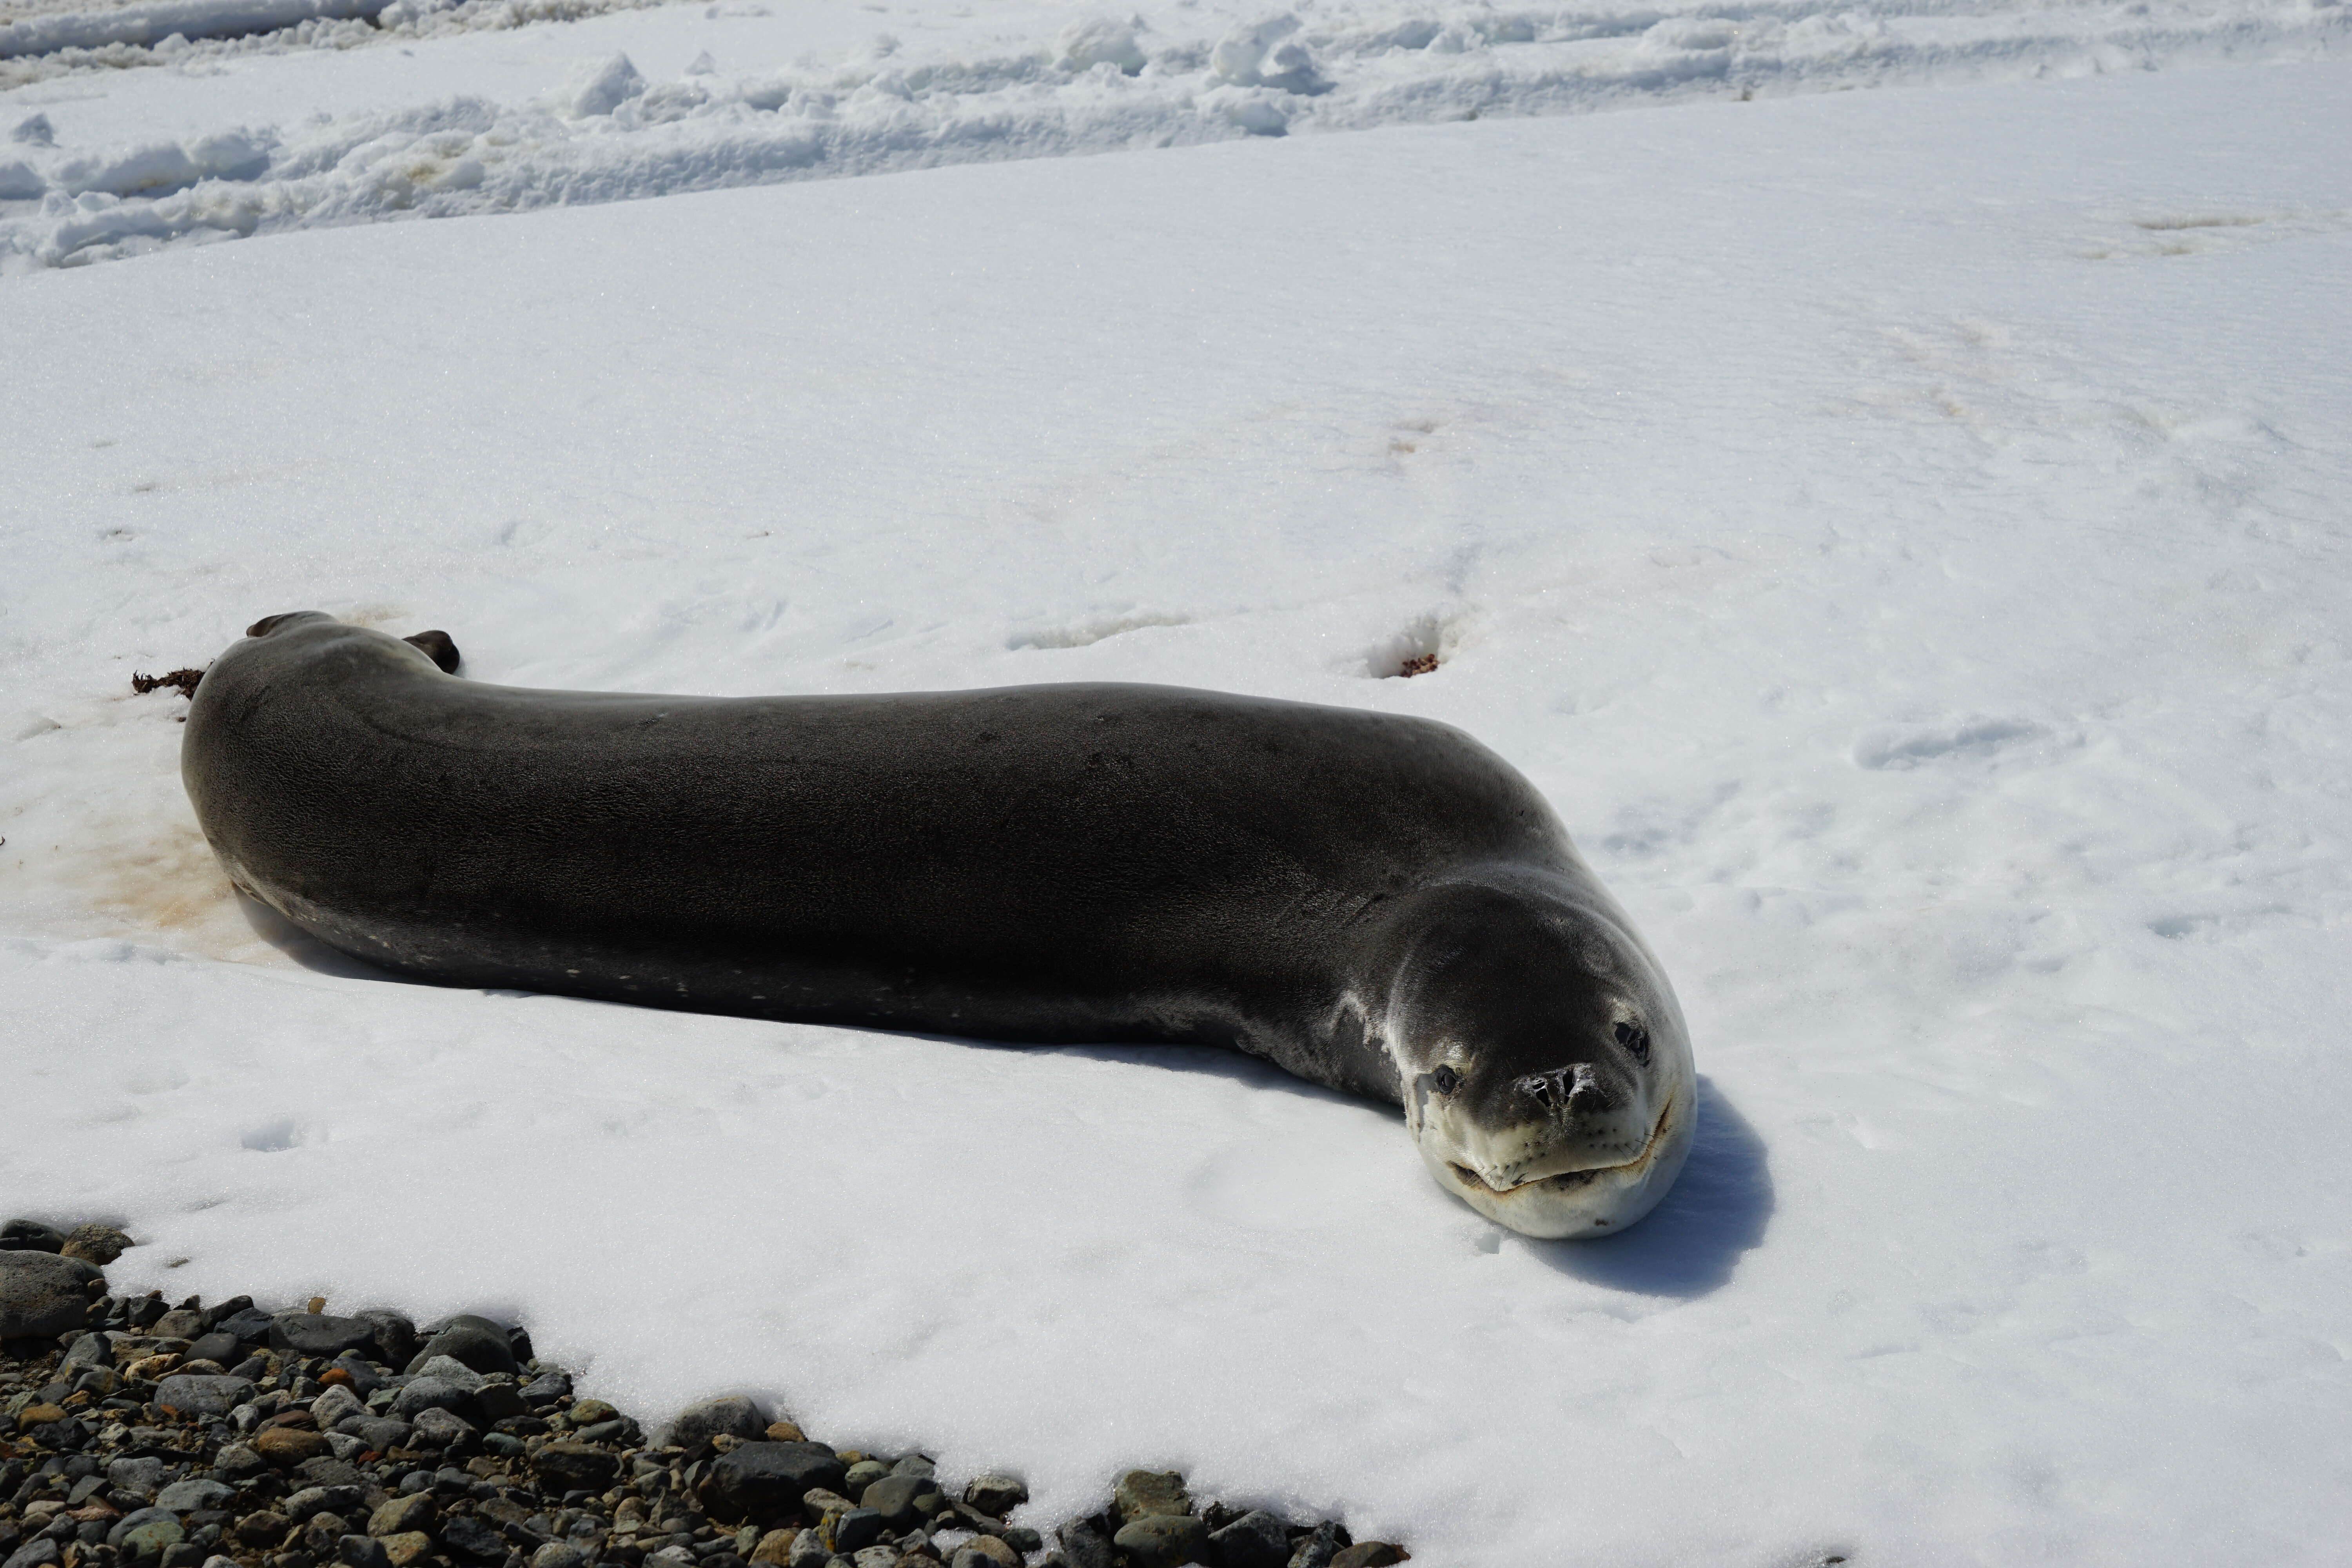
[[1566, 1090]]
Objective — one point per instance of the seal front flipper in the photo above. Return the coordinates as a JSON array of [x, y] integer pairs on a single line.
[[437, 647]]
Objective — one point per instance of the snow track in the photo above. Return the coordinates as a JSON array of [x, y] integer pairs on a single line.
[[584, 126]]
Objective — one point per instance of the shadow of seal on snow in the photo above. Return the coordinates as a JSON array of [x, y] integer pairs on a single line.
[[1691, 1242]]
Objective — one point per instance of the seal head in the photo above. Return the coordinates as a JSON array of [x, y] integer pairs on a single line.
[[1546, 1072]]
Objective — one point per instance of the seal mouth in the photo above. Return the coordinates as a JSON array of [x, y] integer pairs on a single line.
[[1568, 1179]]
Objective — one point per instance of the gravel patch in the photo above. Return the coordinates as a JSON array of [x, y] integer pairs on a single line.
[[308, 1439]]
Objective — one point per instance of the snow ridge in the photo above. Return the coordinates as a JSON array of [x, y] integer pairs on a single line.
[[1105, 83]]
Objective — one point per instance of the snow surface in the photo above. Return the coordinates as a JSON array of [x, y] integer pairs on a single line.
[[1902, 531], [314, 127]]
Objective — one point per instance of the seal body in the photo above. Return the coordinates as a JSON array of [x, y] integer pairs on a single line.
[[1374, 903]]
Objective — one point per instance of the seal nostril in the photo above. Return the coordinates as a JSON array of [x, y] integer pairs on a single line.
[[1446, 1080]]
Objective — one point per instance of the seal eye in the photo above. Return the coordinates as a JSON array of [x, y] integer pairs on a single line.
[[1635, 1039], [1445, 1079]]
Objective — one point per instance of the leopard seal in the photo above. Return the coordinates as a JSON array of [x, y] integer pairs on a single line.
[[1372, 902]]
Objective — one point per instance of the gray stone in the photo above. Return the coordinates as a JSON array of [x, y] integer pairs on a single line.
[[876, 1557], [473, 1539], [1163, 1540], [361, 1551], [402, 1515], [1254, 1541], [395, 1336], [43, 1295], [38, 1552], [558, 1554], [312, 1500], [861, 1475], [1083, 1545], [319, 1335], [996, 1494], [30, 1235], [90, 1349], [334, 1406], [730, 1416], [854, 1531], [194, 1395], [380, 1432], [546, 1388], [1145, 1494], [195, 1494], [1318, 1549], [913, 1465], [987, 1551], [140, 1478], [424, 1394], [477, 1341], [809, 1550], [765, 1481], [146, 1532], [246, 1326], [179, 1323], [439, 1429], [1368, 1554], [499, 1400], [900, 1500], [239, 1461], [217, 1347]]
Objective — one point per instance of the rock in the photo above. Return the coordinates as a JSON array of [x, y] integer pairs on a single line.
[[287, 1446], [30, 1235], [1083, 1545], [395, 1336], [216, 1347], [42, 1295], [732, 1416], [997, 1494], [1318, 1549], [990, 1551], [321, 1533], [361, 1551], [146, 1532], [1254, 1541], [1163, 1540], [1144, 1494], [427, 1393], [809, 1550], [764, 1482], [590, 1413], [854, 1531], [239, 1461], [440, 1429], [574, 1467], [405, 1550], [338, 1405], [264, 1530], [876, 1557], [816, 1502], [900, 1500], [195, 1494], [140, 1478], [89, 1350], [499, 1400], [470, 1537], [179, 1323], [38, 1552], [99, 1244], [557, 1555], [546, 1388], [192, 1394], [247, 1325], [319, 1335], [402, 1515], [311, 1502], [774, 1549], [913, 1465], [1368, 1554], [41, 1414], [785, 1432], [861, 1475], [378, 1432], [476, 1342]]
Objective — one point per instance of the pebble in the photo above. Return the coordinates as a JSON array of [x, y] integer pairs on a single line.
[[732, 1416], [476, 1342], [1319, 1548], [440, 1429], [195, 1494], [98, 1244], [361, 1551], [998, 1494], [1367, 1554], [195, 1394], [316, 1335], [287, 1446]]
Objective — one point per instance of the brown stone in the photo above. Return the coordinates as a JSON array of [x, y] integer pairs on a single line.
[[34, 1415], [407, 1515], [785, 1432], [775, 1547], [287, 1446], [264, 1530], [590, 1413], [98, 1244], [405, 1550], [996, 1551]]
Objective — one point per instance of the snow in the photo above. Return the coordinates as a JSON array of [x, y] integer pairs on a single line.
[[422, 114], [1901, 531]]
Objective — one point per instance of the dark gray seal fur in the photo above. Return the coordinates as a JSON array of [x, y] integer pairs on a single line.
[[1375, 904]]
